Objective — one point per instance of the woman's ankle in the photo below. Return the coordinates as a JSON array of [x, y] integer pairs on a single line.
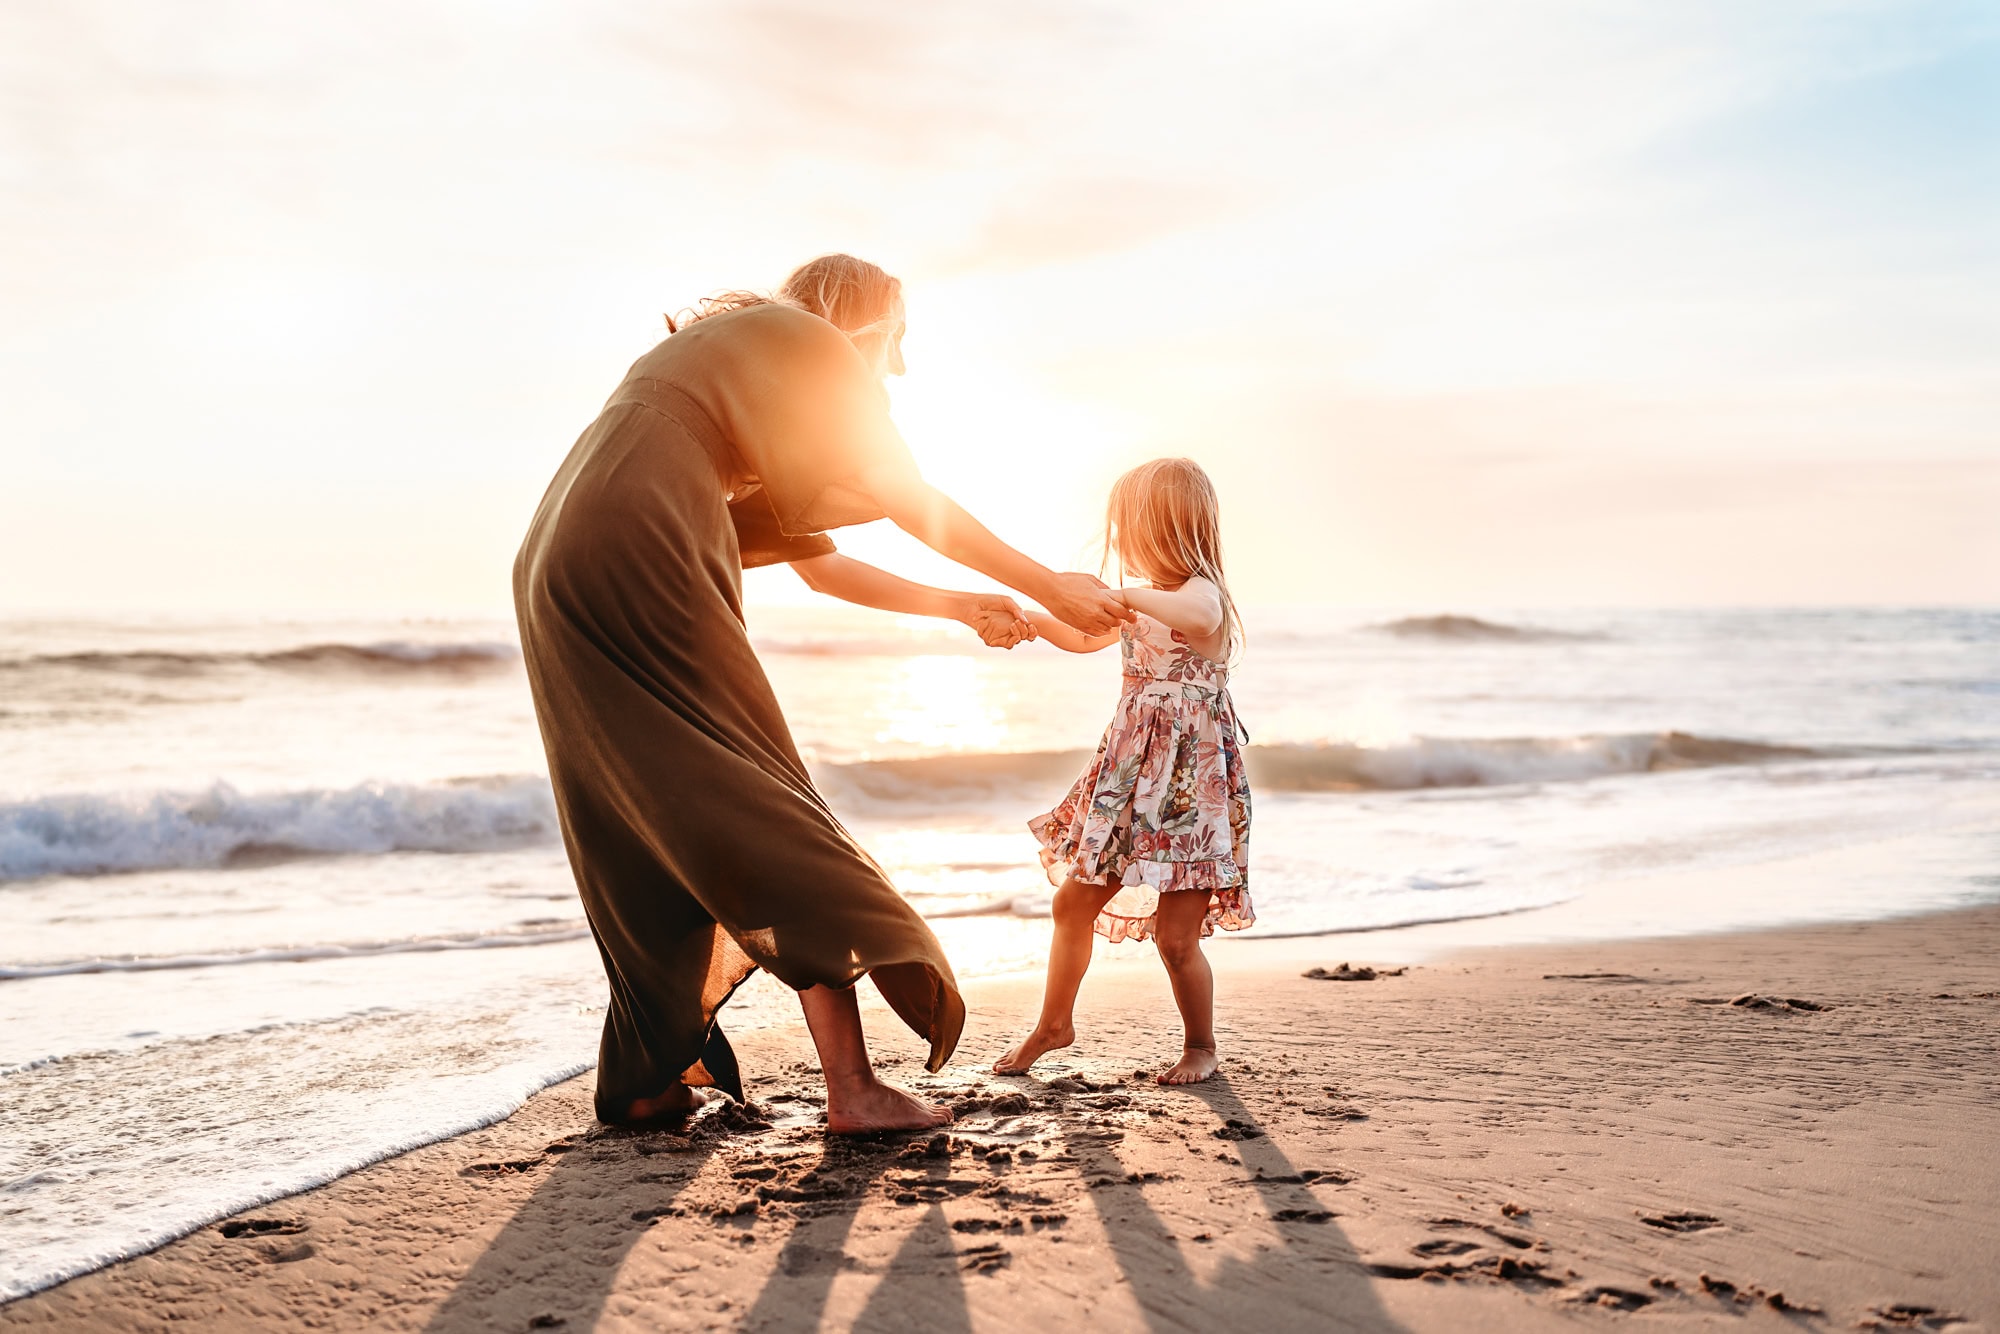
[[851, 1083]]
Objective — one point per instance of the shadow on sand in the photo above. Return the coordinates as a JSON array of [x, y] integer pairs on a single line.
[[601, 1199], [597, 1202], [1311, 1273]]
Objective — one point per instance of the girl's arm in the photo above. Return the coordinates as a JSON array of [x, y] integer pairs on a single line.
[[1194, 609], [1067, 637], [994, 616], [933, 518]]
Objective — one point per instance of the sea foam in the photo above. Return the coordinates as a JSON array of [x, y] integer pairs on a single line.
[[152, 963]]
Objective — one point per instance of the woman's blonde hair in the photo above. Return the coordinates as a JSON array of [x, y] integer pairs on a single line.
[[1164, 523], [850, 294]]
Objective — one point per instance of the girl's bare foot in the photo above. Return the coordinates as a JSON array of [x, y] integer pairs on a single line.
[[1195, 1065], [1032, 1048], [874, 1107]]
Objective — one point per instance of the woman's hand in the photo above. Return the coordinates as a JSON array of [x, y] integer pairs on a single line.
[[996, 619], [1083, 601]]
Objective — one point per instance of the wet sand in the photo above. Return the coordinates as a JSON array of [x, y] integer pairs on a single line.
[[1796, 1129]]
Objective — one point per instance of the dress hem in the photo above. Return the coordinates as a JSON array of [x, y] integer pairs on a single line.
[[1229, 905]]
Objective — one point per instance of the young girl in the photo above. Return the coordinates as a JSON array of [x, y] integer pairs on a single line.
[[1154, 839]]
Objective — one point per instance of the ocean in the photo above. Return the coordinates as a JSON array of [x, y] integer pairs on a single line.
[[281, 898]]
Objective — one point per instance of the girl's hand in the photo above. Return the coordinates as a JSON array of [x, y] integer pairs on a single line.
[[1083, 601], [996, 619]]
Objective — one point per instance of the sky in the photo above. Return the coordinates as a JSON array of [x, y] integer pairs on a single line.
[[1462, 305]]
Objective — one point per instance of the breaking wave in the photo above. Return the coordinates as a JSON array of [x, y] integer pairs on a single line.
[[222, 827], [217, 827], [1448, 762], [1472, 629], [1422, 763]]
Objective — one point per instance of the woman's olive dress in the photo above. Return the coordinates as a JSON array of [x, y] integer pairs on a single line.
[[700, 847]]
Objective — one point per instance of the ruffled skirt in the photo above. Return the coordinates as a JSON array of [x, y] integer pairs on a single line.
[[1164, 808]]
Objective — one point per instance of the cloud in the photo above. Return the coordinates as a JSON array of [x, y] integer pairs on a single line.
[[872, 82], [1057, 221], [1285, 233]]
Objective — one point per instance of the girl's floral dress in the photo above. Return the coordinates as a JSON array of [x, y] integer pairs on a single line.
[[1164, 808]]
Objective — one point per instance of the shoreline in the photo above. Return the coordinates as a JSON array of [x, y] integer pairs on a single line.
[[1479, 1141]]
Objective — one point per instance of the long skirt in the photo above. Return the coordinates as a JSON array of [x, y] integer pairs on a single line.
[[700, 847]]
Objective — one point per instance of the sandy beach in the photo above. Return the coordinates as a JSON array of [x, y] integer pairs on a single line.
[[1786, 1129]]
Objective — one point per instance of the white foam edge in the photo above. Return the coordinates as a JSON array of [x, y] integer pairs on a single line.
[[292, 954], [1254, 934], [505, 1105]]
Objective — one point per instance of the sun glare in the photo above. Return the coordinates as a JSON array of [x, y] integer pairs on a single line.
[[1028, 459], [941, 703]]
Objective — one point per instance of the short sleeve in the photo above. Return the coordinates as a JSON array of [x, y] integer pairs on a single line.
[[812, 423], [761, 542]]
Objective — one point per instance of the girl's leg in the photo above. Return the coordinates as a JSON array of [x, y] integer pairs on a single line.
[[1178, 936], [857, 1103], [1076, 907]]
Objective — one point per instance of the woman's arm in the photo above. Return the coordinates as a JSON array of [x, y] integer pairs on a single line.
[[1194, 609], [994, 616], [933, 518], [1067, 637]]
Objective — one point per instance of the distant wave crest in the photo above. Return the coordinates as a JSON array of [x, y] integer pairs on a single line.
[[404, 657], [391, 656], [220, 826], [1472, 629]]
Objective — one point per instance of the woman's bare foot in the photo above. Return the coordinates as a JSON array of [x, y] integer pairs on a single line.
[[1195, 1065], [1032, 1048], [875, 1107], [674, 1106]]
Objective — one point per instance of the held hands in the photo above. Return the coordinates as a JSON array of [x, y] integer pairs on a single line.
[[997, 620], [1079, 600], [1083, 601]]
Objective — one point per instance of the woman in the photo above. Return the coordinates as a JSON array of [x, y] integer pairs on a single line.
[[700, 847]]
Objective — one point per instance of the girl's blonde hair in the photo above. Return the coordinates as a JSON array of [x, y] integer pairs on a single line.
[[1164, 524], [850, 294]]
